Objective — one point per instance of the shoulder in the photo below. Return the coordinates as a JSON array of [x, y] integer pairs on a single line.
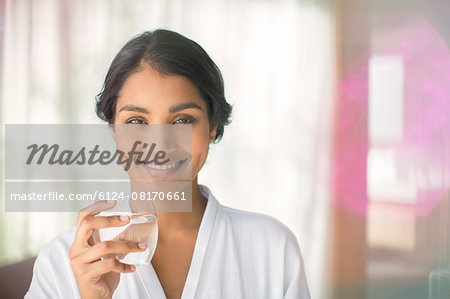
[[60, 244], [249, 225], [253, 218], [259, 226], [52, 274], [56, 252]]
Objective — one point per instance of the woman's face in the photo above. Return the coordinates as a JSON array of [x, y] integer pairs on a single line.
[[148, 97]]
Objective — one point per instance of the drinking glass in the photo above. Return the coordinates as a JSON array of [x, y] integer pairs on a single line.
[[142, 227]]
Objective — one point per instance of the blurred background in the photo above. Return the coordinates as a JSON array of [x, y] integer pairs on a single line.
[[341, 124]]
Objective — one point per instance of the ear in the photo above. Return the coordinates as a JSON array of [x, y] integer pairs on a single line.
[[212, 133]]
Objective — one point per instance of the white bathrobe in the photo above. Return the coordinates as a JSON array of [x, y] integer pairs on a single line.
[[237, 255]]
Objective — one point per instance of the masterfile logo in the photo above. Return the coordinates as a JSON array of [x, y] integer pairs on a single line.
[[62, 167]]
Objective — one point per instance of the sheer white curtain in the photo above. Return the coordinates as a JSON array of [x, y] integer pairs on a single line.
[[277, 59]]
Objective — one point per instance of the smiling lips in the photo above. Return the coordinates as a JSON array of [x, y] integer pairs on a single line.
[[165, 170]]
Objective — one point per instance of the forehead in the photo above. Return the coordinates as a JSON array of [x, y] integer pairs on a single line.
[[148, 87]]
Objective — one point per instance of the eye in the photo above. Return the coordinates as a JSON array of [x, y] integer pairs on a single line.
[[135, 121], [184, 120]]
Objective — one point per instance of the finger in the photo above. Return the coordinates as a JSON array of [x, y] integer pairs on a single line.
[[105, 248], [88, 224], [95, 208], [102, 267]]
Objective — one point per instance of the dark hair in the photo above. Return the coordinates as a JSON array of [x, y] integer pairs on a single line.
[[167, 52]]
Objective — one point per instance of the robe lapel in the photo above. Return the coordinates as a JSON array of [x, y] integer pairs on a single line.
[[201, 244], [147, 274], [150, 282]]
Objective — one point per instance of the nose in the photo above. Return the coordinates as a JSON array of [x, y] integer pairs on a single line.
[[162, 135]]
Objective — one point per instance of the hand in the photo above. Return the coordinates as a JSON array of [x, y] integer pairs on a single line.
[[97, 278]]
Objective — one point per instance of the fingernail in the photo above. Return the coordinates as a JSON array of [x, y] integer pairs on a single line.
[[109, 202], [124, 218], [142, 245], [132, 268]]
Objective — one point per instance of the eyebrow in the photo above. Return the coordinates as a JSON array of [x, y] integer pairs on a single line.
[[134, 108], [183, 106], [172, 109]]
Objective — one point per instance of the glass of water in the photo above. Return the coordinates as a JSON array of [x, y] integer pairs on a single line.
[[142, 227]]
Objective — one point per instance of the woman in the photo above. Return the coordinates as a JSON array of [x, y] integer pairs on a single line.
[[211, 252]]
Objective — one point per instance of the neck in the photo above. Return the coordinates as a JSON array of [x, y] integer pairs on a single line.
[[173, 222]]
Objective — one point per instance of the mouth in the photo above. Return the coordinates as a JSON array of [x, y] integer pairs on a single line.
[[164, 170]]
